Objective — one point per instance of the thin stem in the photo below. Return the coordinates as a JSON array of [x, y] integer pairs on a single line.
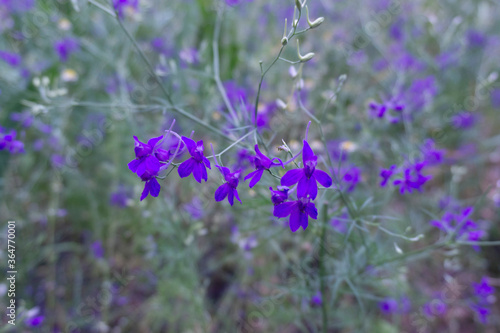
[[215, 47], [322, 270], [164, 90]]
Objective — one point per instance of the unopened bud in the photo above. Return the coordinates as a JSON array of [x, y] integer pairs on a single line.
[[284, 41], [316, 23], [298, 5], [306, 57]]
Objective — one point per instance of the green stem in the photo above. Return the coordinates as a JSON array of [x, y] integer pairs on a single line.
[[164, 90], [322, 268]]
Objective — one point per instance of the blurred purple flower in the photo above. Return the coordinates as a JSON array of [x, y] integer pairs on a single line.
[[412, 179], [352, 177], [339, 223], [97, 249], [388, 306], [460, 224], [316, 300], [34, 321], [195, 208], [463, 120], [482, 311], [436, 307], [432, 155], [65, 47], [13, 59], [386, 174], [483, 289], [8, 142], [122, 5]]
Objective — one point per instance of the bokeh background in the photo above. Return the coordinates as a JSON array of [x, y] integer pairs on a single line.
[[391, 83]]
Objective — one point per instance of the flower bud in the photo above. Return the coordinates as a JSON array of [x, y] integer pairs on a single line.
[[305, 58], [298, 5], [284, 41], [316, 23]]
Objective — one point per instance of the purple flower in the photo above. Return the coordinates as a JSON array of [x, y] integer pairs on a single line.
[[122, 5], [316, 299], [432, 155], [195, 208], [151, 187], [435, 307], [280, 195], [339, 223], [388, 306], [262, 163], [461, 225], [482, 311], [483, 289], [13, 59], [307, 176], [463, 120], [228, 189], [299, 211], [196, 164], [352, 177], [8, 141], [97, 249], [148, 156], [34, 321], [65, 47], [119, 197], [413, 179], [386, 174]]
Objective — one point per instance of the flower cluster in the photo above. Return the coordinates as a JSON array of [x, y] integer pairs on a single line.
[[482, 292], [460, 225], [411, 176], [157, 155], [307, 179], [8, 141]]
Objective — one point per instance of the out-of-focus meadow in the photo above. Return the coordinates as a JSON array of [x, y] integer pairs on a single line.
[[400, 103]]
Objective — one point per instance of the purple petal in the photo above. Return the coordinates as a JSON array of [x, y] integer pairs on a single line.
[[203, 170], [221, 192], [149, 165], [152, 142], [162, 154], [292, 177], [295, 220], [207, 162], [154, 187], [197, 172], [256, 178], [312, 188], [264, 159], [250, 175], [145, 192], [190, 144], [304, 220], [284, 209], [323, 178], [134, 164], [307, 153], [311, 211], [186, 167], [236, 195], [230, 196], [302, 187]]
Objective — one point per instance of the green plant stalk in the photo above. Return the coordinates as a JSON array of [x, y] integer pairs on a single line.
[[322, 268]]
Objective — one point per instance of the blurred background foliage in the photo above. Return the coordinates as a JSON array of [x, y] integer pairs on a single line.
[[91, 257]]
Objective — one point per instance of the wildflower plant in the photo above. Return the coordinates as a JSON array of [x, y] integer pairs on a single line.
[[253, 166]]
